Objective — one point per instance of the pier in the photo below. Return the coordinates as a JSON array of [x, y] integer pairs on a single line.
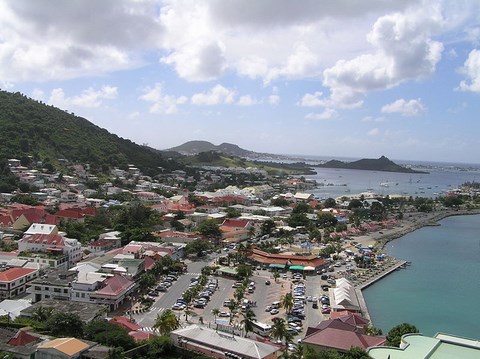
[[375, 277]]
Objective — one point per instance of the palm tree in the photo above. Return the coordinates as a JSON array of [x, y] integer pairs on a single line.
[[187, 312], [41, 314], [276, 275], [166, 322], [286, 301], [247, 321], [279, 329], [215, 312]]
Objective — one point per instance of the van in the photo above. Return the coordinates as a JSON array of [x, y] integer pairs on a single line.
[[275, 305]]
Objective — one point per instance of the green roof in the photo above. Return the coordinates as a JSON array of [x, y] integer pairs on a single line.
[[297, 267], [274, 265], [227, 270], [442, 346]]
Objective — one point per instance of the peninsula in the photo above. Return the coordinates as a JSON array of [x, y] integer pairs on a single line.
[[380, 164]]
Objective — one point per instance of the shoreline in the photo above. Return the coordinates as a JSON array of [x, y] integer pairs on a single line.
[[381, 239]]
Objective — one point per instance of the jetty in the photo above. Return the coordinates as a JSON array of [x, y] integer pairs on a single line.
[[375, 276]]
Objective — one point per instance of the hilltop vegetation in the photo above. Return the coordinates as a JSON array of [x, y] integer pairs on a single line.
[[47, 134], [219, 159], [380, 164]]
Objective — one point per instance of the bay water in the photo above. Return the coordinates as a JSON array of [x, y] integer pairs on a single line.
[[440, 290]]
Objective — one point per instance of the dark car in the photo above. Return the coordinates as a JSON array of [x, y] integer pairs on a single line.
[[267, 282], [315, 305]]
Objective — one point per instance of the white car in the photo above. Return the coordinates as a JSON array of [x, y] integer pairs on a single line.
[[224, 314], [274, 311]]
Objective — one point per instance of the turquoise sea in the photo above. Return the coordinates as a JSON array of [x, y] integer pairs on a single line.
[[439, 292]]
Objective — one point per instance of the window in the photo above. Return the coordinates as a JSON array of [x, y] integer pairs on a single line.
[[56, 290], [65, 291], [38, 287]]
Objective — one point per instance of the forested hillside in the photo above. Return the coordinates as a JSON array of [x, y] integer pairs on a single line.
[[31, 128]]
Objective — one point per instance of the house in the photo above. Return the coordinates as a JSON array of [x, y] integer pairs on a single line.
[[12, 307], [419, 346], [54, 285], [53, 244], [103, 245], [114, 292], [14, 281], [212, 343], [340, 339], [62, 348], [41, 228]]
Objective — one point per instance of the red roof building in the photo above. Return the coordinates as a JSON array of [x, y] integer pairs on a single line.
[[286, 260], [340, 340], [14, 281]]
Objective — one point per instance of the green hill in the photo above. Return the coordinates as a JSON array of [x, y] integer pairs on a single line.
[[195, 147], [43, 132], [380, 164]]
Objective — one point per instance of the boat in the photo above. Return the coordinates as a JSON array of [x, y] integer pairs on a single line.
[[384, 184]]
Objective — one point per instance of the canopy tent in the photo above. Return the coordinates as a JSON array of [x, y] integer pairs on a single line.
[[297, 268], [275, 265], [309, 268], [227, 271]]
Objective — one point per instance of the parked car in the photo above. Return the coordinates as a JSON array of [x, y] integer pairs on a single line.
[[326, 311], [274, 311], [224, 314], [267, 282]]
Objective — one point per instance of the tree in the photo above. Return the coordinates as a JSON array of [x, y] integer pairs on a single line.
[[146, 281], [268, 226], [198, 247], [356, 353], [41, 314], [157, 347], [298, 220], [209, 228], [395, 334], [247, 321], [276, 275], [302, 207], [244, 270], [286, 301], [329, 203], [279, 202], [65, 324], [215, 312], [279, 329], [354, 204], [166, 322], [107, 333], [326, 219], [371, 330]]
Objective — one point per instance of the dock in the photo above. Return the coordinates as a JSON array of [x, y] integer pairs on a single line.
[[370, 281]]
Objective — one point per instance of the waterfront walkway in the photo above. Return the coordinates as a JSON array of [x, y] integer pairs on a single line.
[[370, 277]]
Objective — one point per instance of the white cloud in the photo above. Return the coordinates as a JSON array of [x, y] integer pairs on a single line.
[[471, 69], [89, 98], [328, 114], [216, 96], [405, 108], [273, 99], [47, 40], [312, 100], [373, 132], [246, 100], [404, 50], [162, 103], [198, 62]]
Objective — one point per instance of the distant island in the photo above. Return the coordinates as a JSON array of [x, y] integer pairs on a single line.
[[380, 164]]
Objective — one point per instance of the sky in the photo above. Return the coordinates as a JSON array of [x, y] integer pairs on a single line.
[[342, 78]]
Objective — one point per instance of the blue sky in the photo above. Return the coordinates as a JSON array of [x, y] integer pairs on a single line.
[[341, 78]]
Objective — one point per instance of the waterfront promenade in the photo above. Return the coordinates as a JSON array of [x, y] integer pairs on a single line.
[[371, 277]]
